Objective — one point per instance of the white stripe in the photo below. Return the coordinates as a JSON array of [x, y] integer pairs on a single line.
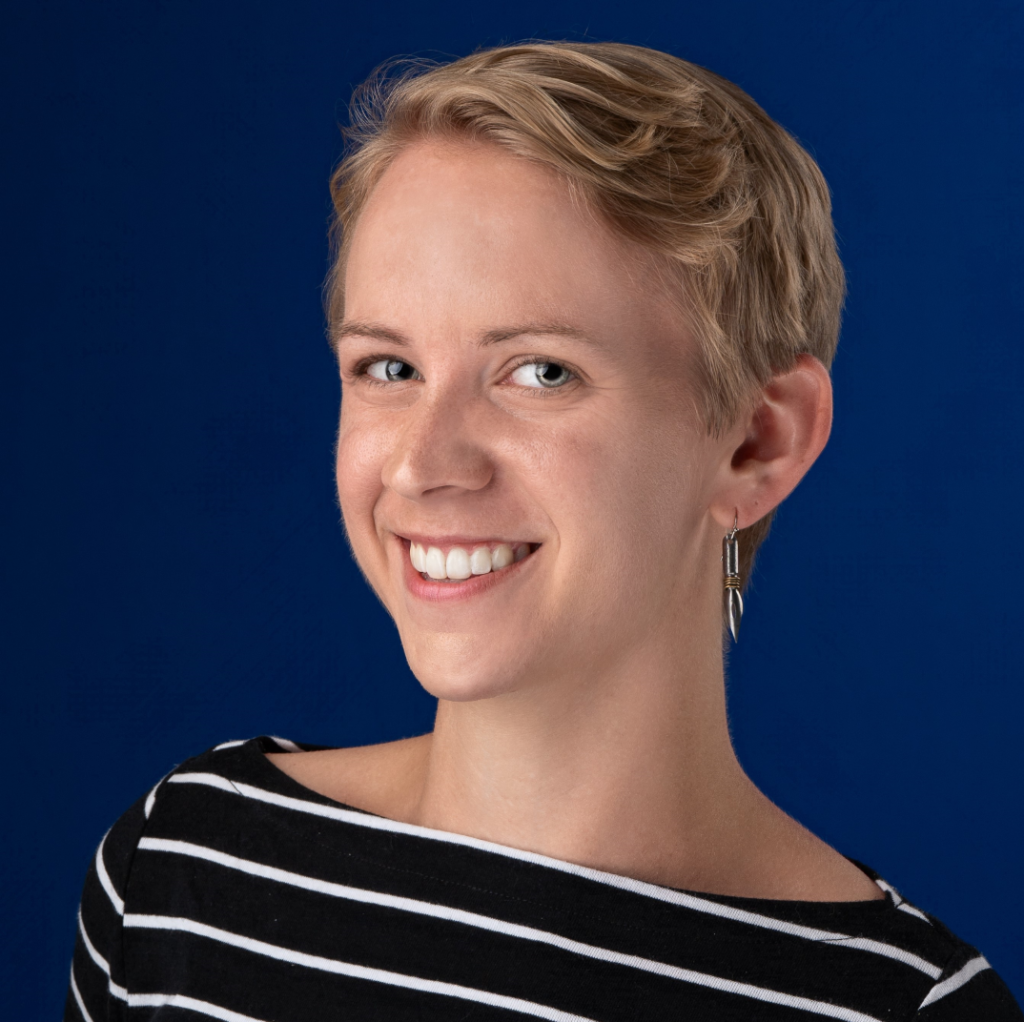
[[285, 744], [348, 969], [101, 871], [117, 991], [78, 998], [151, 797], [230, 745], [498, 926], [665, 894], [897, 954], [888, 888], [211, 780], [181, 1001], [956, 981], [93, 953], [905, 906]]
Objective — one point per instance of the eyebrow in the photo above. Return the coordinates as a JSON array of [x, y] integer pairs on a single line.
[[370, 330], [496, 336], [558, 329]]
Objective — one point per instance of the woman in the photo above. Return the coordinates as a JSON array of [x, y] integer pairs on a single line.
[[583, 305]]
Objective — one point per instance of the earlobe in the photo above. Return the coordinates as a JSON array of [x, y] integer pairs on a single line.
[[770, 452]]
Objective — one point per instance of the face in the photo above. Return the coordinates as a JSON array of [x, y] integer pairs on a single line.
[[522, 472]]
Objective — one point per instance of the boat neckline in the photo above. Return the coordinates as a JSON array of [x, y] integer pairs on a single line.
[[255, 747]]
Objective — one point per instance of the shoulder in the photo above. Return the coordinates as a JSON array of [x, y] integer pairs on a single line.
[[381, 779], [187, 799], [265, 797], [221, 766], [117, 848], [968, 988], [965, 987], [121, 876]]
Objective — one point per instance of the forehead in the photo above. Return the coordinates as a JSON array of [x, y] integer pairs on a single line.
[[468, 234]]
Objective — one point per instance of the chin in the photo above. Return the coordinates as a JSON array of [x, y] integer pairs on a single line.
[[455, 668]]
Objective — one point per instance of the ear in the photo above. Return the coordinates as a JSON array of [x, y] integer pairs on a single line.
[[768, 452]]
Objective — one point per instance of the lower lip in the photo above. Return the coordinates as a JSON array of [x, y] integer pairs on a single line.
[[448, 592]]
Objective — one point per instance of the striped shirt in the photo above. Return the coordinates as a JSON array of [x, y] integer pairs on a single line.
[[232, 892]]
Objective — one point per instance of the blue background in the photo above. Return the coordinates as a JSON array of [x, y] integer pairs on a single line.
[[175, 570]]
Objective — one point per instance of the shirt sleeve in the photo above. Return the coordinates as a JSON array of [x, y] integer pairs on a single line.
[[97, 991], [969, 990]]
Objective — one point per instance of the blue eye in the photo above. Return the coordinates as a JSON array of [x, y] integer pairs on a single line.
[[392, 370], [541, 374]]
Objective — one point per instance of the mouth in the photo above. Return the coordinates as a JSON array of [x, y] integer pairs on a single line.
[[456, 563], [442, 569]]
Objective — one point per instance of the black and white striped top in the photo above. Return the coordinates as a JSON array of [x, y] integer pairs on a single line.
[[232, 892]]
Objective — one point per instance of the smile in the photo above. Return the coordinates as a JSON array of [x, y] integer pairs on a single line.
[[458, 563]]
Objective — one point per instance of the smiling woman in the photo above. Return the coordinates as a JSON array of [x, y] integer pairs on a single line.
[[583, 306]]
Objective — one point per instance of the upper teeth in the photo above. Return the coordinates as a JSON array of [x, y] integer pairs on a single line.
[[460, 563]]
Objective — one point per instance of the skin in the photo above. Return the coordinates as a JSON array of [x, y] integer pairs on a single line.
[[581, 696]]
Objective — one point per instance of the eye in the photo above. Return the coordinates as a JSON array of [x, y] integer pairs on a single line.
[[392, 370], [541, 374]]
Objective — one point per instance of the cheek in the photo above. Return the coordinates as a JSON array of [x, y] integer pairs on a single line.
[[628, 494], [361, 452], [635, 465]]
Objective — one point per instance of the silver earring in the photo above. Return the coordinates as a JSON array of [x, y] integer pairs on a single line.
[[732, 581]]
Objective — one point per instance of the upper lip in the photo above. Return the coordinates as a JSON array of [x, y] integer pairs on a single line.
[[459, 540]]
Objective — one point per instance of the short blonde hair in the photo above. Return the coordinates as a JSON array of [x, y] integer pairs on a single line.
[[672, 156]]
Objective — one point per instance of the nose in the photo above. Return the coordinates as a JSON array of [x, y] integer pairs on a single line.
[[439, 449]]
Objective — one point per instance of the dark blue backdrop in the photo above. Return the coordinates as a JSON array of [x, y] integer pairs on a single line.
[[176, 574]]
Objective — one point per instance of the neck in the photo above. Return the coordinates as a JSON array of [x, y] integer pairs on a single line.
[[630, 771], [627, 769]]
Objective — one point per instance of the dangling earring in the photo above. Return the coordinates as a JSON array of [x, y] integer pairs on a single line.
[[732, 583]]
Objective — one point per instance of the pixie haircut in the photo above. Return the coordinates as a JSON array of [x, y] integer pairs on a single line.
[[670, 156]]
